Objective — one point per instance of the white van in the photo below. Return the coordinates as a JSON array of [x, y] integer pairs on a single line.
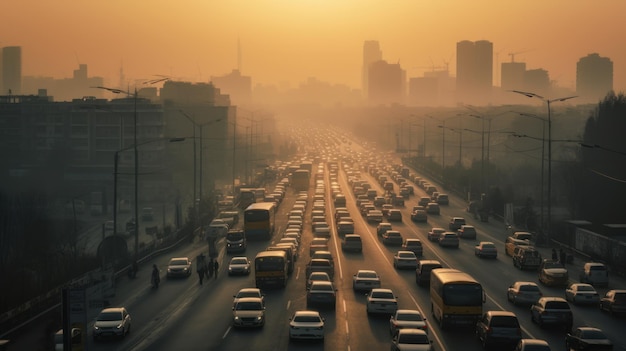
[[595, 273]]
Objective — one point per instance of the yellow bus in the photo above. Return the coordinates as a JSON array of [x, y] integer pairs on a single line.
[[456, 299], [258, 220], [271, 268]]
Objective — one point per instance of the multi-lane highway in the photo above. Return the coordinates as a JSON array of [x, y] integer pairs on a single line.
[[184, 315]]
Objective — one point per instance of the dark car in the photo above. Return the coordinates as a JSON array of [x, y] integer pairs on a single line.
[[392, 237], [587, 339], [321, 293], [498, 328], [422, 272], [614, 302], [552, 310]]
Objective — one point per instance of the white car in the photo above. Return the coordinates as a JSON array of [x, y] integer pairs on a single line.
[[411, 340], [112, 322], [381, 301], [407, 319], [249, 312], [179, 267], [317, 277], [581, 293], [248, 292], [365, 280], [405, 259], [239, 265], [306, 325]]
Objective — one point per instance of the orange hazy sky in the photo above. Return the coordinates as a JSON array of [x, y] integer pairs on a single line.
[[291, 40]]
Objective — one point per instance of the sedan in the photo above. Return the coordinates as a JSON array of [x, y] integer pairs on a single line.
[[317, 277], [486, 249], [407, 319], [365, 280], [248, 292], [179, 267], [449, 239], [581, 293], [321, 293], [435, 233], [112, 322], [404, 259], [587, 338], [523, 293], [614, 302], [249, 312], [392, 237], [381, 301], [411, 339], [239, 265], [306, 325]]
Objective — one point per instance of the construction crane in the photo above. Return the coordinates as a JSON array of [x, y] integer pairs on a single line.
[[512, 54]]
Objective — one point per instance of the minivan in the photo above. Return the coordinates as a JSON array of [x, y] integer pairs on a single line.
[[352, 242], [595, 273], [422, 272]]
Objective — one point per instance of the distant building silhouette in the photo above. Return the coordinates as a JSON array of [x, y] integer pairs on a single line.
[[371, 54], [423, 91], [386, 83], [512, 77], [594, 77], [237, 86], [474, 75], [11, 70], [537, 81], [66, 89]]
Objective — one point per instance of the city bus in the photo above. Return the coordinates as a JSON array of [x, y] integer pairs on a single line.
[[300, 179], [258, 220], [271, 269], [455, 297], [308, 165]]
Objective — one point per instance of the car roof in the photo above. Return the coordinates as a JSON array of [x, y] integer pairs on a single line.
[[307, 313], [501, 313], [534, 342], [250, 299], [321, 282], [411, 331], [179, 258], [382, 290], [250, 290], [112, 309]]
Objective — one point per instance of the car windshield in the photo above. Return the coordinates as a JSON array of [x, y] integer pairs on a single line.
[[178, 262], [248, 294], [557, 305], [414, 317], [367, 275], [406, 255], [552, 264], [110, 316], [504, 321], [585, 288], [306, 319], [322, 287], [413, 339], [248, 306], [529, 288], [239, 261], [382, 295], [593, 334], [489, 246]]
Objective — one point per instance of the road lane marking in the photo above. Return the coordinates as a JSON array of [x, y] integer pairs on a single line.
[[226, 333], [288, 304]]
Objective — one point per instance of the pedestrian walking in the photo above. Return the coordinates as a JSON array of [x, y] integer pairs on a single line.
[[201, 267], [211, 267], [554, 255], [217, 267], [563, 256]]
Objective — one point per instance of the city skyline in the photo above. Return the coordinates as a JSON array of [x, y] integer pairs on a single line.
[[285, 43]]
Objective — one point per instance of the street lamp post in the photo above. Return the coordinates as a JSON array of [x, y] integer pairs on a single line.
[[548, 103]]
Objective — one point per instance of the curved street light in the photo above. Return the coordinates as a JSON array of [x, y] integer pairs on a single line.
[[549, 119]]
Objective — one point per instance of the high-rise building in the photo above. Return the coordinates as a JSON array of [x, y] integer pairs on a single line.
[[371, 54], [474, 75], [386, 83], [512, 75], [594, 77], [537, 81], [12, 70]]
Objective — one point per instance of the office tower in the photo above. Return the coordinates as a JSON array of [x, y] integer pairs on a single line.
[[513, 75], [11, 70], [474, 74], [537, 81], [371, 54], [594, 77], [386, 83]]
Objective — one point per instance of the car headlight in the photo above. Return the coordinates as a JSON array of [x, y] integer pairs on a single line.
[[119, 326], [258, 318], [95, 327], [169, 270], [236, 318]]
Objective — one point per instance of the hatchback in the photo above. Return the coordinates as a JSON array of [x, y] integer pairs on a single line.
[[112, 322], [498, 328]]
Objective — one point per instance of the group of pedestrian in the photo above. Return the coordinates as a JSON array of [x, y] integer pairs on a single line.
[[206, 269], [561, 256]]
